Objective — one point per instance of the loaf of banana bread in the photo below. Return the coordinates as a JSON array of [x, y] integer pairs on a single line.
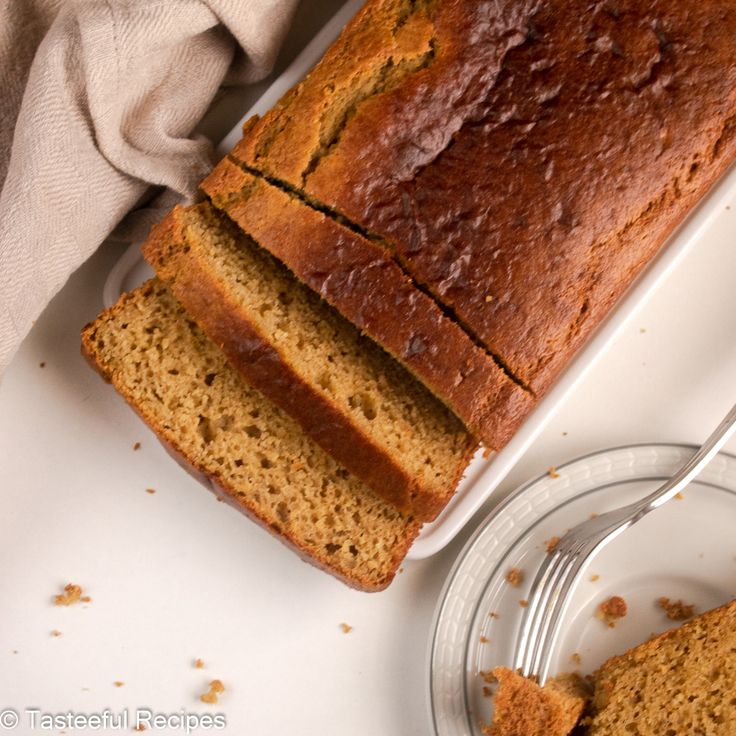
[[520, 160]]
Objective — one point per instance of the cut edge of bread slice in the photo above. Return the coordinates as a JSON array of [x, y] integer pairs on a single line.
[[352, 398], [246, 449], [363, 282]]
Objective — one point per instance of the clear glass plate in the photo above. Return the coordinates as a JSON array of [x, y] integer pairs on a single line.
[[686, 550]]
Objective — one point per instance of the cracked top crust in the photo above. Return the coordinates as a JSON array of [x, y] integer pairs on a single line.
[[524, 160]]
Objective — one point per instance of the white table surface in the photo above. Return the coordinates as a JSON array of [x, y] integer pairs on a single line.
[[175, 576]]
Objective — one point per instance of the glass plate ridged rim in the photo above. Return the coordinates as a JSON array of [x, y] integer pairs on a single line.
[[500, 530]]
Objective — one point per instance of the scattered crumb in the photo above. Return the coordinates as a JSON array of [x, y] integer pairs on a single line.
[[493, 614], [118, 683], [487, 452], [346, 628], [137, 446], [642, 330], [198, 664], [593, 578], [72, 594], [489, 297], [42, 364], [484, 639], [401, 569], [15, 651], [55, 632], [593, 515], [611, 610], [140, 727], [678, 496], [151, 490], [515, 577], [523, 603], [564, 434], [216, 688], [676, 610], [552, 472], [575, 658], [551, 544], [488, 677], [487, 692]]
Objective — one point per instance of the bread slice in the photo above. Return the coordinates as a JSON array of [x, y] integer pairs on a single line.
[[351, 397], [680, 682], [366, 285], [523, 708], [250, 452]]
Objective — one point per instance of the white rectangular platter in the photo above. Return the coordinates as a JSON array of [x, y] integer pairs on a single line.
[[483, 475]]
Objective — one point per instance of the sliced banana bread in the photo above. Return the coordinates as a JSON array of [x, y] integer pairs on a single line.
[[360, 279], [349, 395], [523, 708], [680, 682], [250, 451]]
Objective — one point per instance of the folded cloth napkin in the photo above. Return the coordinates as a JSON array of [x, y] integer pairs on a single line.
[[97, 100]]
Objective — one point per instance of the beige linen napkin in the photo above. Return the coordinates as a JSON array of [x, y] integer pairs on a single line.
[[97, 100]]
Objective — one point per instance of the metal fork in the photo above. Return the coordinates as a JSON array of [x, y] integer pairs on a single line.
[[556, 580]]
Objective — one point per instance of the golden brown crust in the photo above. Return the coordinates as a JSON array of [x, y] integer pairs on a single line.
[[365, 284], [220, 487], [254, 355], [531, 168]]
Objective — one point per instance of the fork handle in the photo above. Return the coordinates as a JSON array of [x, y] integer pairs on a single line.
[[691, 468]]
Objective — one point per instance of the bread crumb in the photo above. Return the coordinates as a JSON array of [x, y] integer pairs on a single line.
[[676, 610], [137, 446], [151, 490], [678, 496], [55, 632], [140, 727], [493, 614], [346, 628], [564, 434], [42, 364], [488, 677], [593, 578], [642, 330], [484, 639], [118, 683], [523, 603], [593, 515], [551, 544], [575, 658], [198, 664], [401, 569], [611, 610], [211, 696], [489, 298], [487, 452], [72, 594], [487, 692], [515, 577], [552, 472]]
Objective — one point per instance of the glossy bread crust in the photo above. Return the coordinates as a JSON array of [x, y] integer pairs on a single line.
[[522, 159]]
